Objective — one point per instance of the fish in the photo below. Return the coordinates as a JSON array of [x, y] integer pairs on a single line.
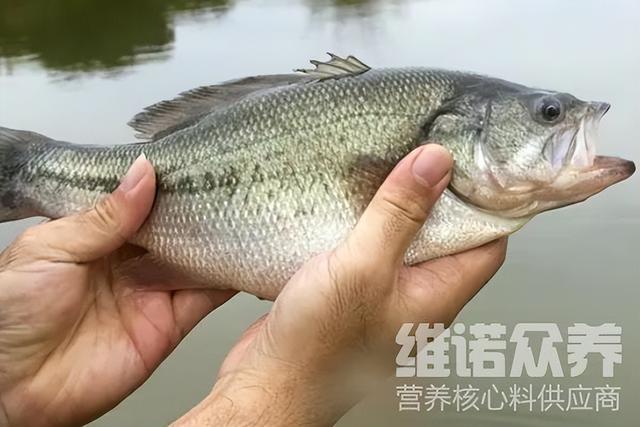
[[257, 175]]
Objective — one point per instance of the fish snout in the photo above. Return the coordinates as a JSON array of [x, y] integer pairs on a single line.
[[600, 108]]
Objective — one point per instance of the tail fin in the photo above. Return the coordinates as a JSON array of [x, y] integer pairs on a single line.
[[15, 151]]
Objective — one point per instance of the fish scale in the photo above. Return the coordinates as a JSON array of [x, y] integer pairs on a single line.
[[257, 175]]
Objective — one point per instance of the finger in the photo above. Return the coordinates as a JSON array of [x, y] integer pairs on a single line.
[[95, 233], [190, 306], [149, 272], [473, 269], [402, 204], [238, 351]]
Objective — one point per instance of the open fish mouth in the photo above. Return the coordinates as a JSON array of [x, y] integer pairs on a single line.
[[583, 148], [575, 148], [582, 173]]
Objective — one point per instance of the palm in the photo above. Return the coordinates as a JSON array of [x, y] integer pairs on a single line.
[[86, 327], [441, 287]]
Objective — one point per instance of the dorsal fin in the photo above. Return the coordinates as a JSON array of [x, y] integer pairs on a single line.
[[165, 117], [336, 68]]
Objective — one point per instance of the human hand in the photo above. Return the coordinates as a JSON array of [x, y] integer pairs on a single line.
[[76, 334], [330, 334]]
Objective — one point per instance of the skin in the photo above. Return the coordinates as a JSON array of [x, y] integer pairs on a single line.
[[76, 336], [330, 335]]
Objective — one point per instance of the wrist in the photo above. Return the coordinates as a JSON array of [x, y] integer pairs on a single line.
[[247, 399]]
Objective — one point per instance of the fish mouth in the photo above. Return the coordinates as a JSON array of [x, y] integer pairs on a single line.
[[576, 185], [575, 147], [582, 173]]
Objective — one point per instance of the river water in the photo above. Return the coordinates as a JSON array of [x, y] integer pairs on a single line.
[[78, 71]]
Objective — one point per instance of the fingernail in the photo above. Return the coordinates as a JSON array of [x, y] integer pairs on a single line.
[[432, 164], [134, 175]]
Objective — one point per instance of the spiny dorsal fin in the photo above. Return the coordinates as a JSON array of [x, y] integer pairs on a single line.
[[336, 68], [166, 117]]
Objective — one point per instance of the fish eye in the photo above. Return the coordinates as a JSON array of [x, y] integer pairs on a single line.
[[550, 110]]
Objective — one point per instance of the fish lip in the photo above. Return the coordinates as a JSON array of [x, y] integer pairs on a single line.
[[612, 166], [601, 108], [576, 185]]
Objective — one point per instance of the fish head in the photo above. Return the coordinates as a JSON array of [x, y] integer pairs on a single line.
[[519, 151]]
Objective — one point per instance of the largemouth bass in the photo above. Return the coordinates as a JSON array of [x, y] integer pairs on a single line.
[[257, 175]]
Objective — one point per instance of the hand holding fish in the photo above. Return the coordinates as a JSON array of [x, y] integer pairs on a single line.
[[330, 333], [76, 337], [256, 176]]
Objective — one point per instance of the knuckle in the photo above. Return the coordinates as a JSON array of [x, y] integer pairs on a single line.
[[448, 271], [345, 277], [28, 238], [104, 217], [25, 245], [354, 260], [357, 277], [354, 296], [341, 275], [403, 208], [28, 241]]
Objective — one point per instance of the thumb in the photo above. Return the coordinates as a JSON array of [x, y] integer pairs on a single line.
[[95, 233], [402, 205]]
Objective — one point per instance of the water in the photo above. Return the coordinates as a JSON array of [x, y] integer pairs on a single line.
[[81, 70]]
